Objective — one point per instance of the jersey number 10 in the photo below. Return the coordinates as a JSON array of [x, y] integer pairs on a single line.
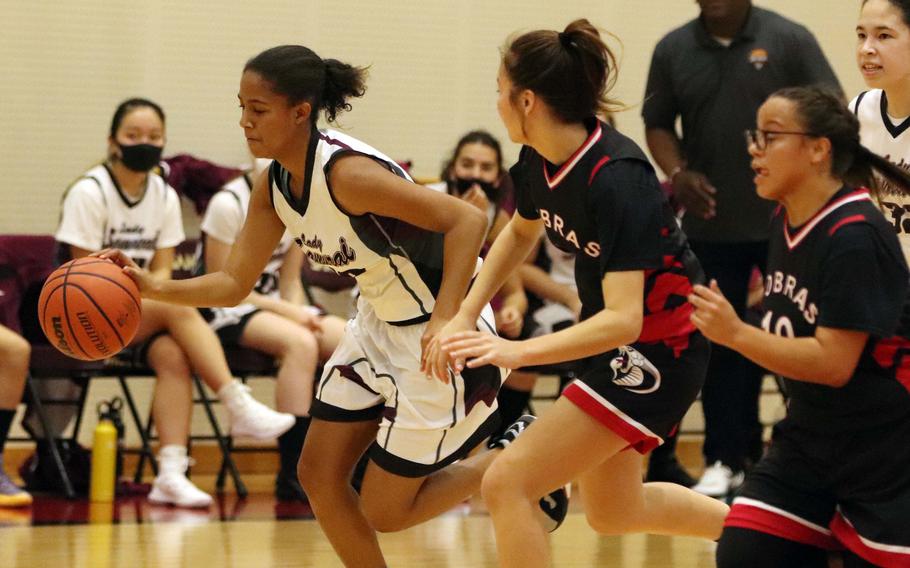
[[782, 327]]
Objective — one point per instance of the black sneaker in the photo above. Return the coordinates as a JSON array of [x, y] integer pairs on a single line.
[[512, 432], [288, 488], [555, 505]]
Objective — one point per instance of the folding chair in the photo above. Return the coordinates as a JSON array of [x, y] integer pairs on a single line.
[[25, 262], [243, 363]]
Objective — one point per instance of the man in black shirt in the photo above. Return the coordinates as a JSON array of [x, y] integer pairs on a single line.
[[713, 73]]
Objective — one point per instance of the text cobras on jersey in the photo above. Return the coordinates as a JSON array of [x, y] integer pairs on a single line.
[[785, 284], [556, 224]]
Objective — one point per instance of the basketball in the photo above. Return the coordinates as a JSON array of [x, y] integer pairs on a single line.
[[89, 309]]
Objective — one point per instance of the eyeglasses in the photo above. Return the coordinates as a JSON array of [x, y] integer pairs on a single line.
[[760, 138]]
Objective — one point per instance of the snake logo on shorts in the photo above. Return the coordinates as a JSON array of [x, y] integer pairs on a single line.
[[633, 372]]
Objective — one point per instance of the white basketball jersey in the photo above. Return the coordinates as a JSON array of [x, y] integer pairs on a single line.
[[97, 214], [879, 133], [398, 267], [223, 220]]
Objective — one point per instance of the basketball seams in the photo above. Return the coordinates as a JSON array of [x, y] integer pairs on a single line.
[[66, 314], [47, 301], [101, 312], [67, 276], [102, 277]]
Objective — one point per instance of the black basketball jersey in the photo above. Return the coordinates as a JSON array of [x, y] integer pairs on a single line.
[[842, 269], [605, 205]]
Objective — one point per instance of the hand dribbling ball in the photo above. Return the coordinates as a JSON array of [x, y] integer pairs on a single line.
[[89, 308]]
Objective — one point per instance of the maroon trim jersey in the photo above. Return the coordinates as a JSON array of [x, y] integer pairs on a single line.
[[842, 269], [605, 206]]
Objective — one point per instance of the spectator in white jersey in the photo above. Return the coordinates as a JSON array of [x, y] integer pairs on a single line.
[[883, 57], [272, 319], [123, 203]]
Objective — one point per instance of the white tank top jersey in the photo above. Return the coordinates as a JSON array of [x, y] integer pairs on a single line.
[[223, 220], [97, 214], [881, 134], [398, 266]]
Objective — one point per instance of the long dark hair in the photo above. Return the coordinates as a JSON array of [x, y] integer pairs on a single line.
[[572, 70], [823, 114], [128, 106], [481, 137], [300, 75], [902, 5]]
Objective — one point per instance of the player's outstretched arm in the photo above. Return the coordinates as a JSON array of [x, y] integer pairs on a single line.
[[828, 358], [362, 185], [619, 323], [227, 287]]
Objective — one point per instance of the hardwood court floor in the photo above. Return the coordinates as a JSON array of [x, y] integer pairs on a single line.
[[259, 532], [452, 541]]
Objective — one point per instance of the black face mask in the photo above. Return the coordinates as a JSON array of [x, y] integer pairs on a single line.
[[464, 184], [140, 157]]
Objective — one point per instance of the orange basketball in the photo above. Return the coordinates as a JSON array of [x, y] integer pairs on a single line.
[[89, 309]]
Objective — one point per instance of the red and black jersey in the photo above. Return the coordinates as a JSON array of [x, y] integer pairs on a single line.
[[605, 205], [842, 269]]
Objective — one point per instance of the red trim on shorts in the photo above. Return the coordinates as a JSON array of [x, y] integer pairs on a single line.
[[846, 533], [638, 440], [765, 521]]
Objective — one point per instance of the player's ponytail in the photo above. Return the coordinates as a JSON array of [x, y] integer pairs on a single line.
[[890, 178], [300, 75], [342, 81], [823, 114], [572, 70]]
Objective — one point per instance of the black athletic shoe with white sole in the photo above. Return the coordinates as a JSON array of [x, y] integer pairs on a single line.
[[555, 505]]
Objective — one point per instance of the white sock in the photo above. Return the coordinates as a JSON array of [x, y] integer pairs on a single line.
[[230, 392], [172, 459]]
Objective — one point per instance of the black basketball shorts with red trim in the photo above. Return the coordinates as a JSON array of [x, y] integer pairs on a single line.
[[641, 392], [832, 491]]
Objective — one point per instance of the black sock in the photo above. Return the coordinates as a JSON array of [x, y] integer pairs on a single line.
[[6, 419], [512, 404], [291, 443]]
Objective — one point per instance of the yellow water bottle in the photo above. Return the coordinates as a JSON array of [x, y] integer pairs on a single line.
[[104, 461]]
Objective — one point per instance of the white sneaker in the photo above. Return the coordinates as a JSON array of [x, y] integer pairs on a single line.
[[175, 489], [251, 418], [718, 480]]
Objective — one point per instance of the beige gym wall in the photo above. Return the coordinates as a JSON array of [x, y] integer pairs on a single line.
[[433, 63], [66, 65]]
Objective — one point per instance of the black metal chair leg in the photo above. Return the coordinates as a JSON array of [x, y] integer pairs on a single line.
[[222, 444], [222, 470], [140, 467], [143, 437], [55, 450]]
